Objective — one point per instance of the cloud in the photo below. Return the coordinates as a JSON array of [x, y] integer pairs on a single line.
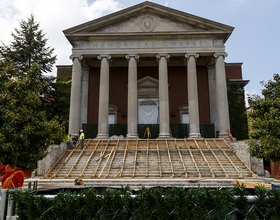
[[54, 16]]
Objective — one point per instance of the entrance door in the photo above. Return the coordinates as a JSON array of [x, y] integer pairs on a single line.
[[148, 111]]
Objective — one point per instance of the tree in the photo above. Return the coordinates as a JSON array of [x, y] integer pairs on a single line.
[[58, 101], [29, 46], [265, 121], [238, 118], [25, 133]]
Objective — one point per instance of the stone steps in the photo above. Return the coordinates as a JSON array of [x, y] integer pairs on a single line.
[[181, 158]]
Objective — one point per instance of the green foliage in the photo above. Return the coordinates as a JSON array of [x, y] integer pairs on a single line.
[[238, 118], [150, 203], [56, 101], [265, 122], [24, 130], [29, 46]]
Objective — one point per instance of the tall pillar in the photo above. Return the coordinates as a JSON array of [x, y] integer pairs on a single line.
[[222, 100], [84, 95], [103, 111], [132, 114], [75, 104], [213, 95], [193, 96], [163, 96]]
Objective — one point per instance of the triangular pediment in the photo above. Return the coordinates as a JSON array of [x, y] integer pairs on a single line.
[[147, 18], [147, 81]]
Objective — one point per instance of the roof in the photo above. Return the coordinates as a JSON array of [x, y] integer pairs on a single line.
[[167, 21]]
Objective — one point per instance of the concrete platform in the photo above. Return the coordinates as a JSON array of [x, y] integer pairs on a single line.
[[49, 184]]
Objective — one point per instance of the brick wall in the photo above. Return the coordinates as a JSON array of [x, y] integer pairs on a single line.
[[178, 94]]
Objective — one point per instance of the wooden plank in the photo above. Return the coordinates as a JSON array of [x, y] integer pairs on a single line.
[[101, 157], [107, 160], [226, 174], [252, 184], [135, 158], [77, 160], [124, 156], [181, 158], [50, 171], [90, 156], [112, 160], [199, 174], [170, 161], [64, 163], [74, 165], [159, 162], [239, 174], [206, 161]]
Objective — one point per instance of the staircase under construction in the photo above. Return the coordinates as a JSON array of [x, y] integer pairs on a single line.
[[151, 159]]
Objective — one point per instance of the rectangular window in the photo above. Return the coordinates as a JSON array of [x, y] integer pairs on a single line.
[[185, 118], [111, 119]]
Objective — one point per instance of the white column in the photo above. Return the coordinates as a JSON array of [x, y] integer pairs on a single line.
[[163, 96], [222, 100], [213, 95], [193, 96], [103, 112], [132, 114], [84, 95], [75, 104]]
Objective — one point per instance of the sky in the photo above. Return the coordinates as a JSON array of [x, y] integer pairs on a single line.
[[254, 41]]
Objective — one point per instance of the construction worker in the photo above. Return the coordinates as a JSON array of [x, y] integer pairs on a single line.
[[82, 137], [69, 142], [75, 139]]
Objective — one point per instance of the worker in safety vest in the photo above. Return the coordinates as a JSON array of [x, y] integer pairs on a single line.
[[69, 142], [82, 137]]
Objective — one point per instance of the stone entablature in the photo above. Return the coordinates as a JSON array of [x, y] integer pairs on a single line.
[[148, 44]]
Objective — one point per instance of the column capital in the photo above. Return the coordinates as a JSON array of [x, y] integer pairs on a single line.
[[195, 55], [159, 55], [73, 56], [107, 56], [136, 56], [224, 54]]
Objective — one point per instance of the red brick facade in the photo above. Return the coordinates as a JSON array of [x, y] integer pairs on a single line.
[[178, 91]]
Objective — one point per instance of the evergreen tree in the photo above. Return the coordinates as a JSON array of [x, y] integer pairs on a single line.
[[25, 132], [265, 122], [29, 46]]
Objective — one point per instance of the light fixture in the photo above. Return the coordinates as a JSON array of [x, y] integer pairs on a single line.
[[173, 114], [123, 114]]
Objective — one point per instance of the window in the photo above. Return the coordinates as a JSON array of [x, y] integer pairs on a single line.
[[184, 114], [113, 113]]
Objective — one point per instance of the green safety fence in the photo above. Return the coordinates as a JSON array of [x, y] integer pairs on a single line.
[[149, 203], [176, 130]]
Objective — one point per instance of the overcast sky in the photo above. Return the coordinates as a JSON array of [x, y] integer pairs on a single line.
[[254, 42]]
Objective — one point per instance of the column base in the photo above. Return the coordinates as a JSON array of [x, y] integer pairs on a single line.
[[226, 136], [223, 135], [132, 136], [194, 135], [102, 136], [164, 135]]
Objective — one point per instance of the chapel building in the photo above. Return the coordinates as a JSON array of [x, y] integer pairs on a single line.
[[150, 66]]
